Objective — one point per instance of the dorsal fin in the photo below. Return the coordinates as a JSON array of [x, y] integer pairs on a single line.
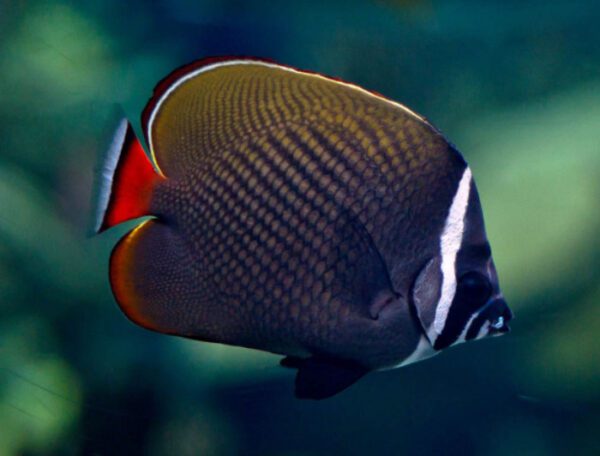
[[210, 105], [172, 78]]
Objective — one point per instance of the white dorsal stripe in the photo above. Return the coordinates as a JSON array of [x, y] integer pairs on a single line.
[[450, 242], [213, 66], [106, 173]]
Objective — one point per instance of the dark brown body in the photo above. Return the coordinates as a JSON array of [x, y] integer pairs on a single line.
[[290, 205]]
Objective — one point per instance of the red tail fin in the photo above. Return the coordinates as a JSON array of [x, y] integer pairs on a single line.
[[126, 182]]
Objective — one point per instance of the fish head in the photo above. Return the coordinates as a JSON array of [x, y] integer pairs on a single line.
[[456, 295]]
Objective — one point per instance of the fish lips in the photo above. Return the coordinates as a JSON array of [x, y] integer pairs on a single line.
[[500, 316], [496, 314]]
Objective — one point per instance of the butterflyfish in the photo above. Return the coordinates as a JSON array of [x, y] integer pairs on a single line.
[[298, 214]]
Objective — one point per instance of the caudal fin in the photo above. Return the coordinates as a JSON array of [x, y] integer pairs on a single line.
[[126, 180]]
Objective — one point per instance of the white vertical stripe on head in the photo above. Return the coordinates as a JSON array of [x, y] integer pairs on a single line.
[[450, 242]]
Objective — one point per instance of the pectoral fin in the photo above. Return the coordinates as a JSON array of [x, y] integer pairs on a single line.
[[320, 378]]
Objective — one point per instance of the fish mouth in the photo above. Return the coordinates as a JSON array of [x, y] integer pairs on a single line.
[[501, 315]]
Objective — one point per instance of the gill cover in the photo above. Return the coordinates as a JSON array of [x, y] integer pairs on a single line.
[[426, 295]]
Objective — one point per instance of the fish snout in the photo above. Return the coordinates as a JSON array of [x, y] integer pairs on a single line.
[[501, 315]]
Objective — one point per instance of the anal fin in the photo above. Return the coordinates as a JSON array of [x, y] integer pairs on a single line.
[[320, 378]]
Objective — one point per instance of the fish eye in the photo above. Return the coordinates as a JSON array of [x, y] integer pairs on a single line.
[[475, 288]]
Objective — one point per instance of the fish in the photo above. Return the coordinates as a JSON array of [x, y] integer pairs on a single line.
[[298, 214]]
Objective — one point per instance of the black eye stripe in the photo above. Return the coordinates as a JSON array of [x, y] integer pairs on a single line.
[[483, 250], [472, 292], [476, 326], [458, 316], [476, 251]]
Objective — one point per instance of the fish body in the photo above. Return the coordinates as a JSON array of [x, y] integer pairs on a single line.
[[301, 215]]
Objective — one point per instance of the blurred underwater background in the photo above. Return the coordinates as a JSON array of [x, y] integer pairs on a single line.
[[514, 84]]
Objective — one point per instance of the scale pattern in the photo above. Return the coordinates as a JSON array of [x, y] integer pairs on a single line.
[[298, 198]]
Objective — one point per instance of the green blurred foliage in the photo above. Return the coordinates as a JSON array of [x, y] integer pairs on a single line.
[[516, 85]]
